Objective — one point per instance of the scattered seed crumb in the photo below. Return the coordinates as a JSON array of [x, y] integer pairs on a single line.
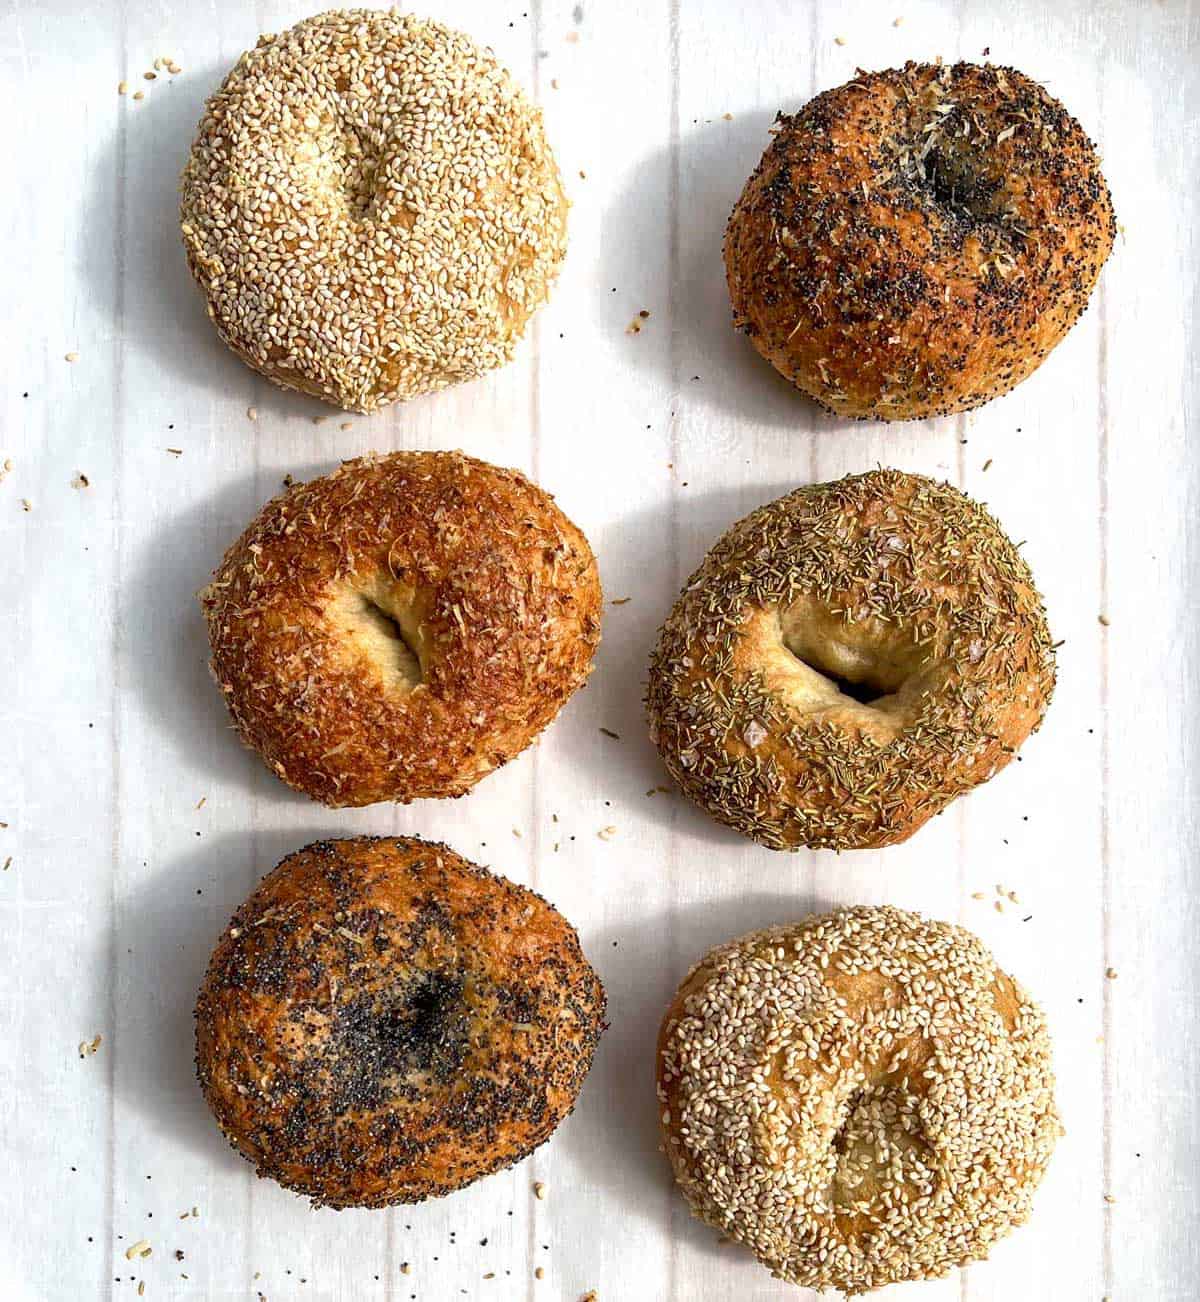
[[175, 452], [539, 1190], [727, 117], [251, 413], [490, 1275], [1110, 973], [897, 21], [8, 861], [405, 1268], [70, 357], [572, 38], [590, 1296], [553, 83], [141, 1288], [517, 833], [137, 1249], [150, 76], [634, 327], [608, 732], [1103, 620], [620, 601], [607, 833], [80, 481], [346, 424], [839, 40], [540, 1273], [5, 469], [200, 803], [26, 504], [89, 1047], [1108, 1198], [979, 895], [319, 420], [987, 463], [139, 94], [122, 88], [999, 906]]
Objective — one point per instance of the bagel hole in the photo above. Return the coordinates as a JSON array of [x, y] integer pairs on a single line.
[[383, 625], [861, 662], [961, 186], [380, 625], [863, 693]]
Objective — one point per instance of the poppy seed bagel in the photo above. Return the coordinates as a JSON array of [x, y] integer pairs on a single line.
[[384, 1022]]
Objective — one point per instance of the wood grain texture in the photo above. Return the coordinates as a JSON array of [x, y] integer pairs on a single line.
[[654, 443]]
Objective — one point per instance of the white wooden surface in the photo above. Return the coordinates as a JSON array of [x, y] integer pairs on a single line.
[[654, 443]]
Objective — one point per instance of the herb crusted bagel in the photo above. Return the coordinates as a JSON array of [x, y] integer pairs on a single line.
[[860, 1098], [847, 660], [915, 242], [371, 208], [384, 1022], [403, 626]]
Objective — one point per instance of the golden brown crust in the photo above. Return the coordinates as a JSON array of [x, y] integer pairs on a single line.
[[403, 626], [385, 1022], [860, 1098], [847, 660], [915, 242], [371, 208]]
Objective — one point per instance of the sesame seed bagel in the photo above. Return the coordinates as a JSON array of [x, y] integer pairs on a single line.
[[860, 1098], [847, 660], [384, 1022], [371, 208], [401, 627], [915, 242]]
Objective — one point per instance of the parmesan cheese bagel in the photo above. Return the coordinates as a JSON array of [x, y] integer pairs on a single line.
[[403, 626]]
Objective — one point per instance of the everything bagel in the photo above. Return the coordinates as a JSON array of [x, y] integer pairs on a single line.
[[915, 242]]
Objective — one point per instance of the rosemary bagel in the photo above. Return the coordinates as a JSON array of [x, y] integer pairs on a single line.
[[371, 209], [384, 1022], [860, 1098], [401, 627], [847, 660], [915, 242]]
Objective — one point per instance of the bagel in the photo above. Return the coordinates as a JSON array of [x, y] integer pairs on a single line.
[[371, 209], [847, 660], [915, 242], [384, 1022], [402, 627], [860, 1098]]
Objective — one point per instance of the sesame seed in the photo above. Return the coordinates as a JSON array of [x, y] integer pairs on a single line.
[[70, 357], [409, 164], [832, 1090]]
